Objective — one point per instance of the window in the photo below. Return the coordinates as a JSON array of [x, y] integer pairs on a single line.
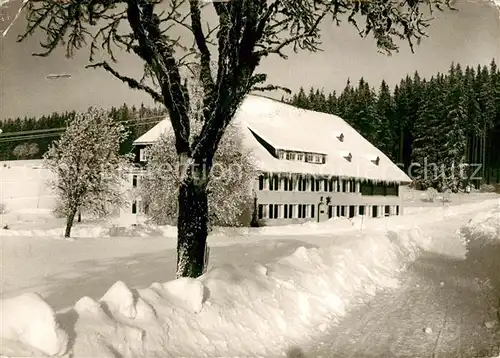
[[330, 184], [392, 190], [338, 211], [300, 156], [397, 209], [309, 157], [134, 207], [367, 188], [300, 212], [361, 210], [276, 182], [281, 154], [271, 211], [330, 211], [290, 156], [352, 187], [343, 211], [142, 154], [285, 184], [387, 210], [344, 186], [375, 211], [312, 210], [352, 211], [290, 184], [285, 213], [302, 184], [134, 181], [317, 185], [323, 159], [290, 211], [261, 211], [378, 189], [261, 182]]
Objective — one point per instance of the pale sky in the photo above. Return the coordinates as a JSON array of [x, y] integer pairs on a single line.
[[469, 36]]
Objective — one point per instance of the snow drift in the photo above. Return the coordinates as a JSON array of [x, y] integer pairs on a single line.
[[230, 309], [259, 310]]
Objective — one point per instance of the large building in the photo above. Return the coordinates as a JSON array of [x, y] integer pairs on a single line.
[[312, 166]]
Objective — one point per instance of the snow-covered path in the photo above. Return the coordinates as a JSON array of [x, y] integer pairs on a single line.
[[456, 298]]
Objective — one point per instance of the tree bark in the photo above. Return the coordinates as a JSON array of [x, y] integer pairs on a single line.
[[69, 223], [192, 224]]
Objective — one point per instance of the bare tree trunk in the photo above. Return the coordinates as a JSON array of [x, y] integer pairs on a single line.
[[69, 223], [79, 216], [192, 225]]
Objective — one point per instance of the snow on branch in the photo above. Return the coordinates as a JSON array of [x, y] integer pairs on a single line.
[[87, 165]]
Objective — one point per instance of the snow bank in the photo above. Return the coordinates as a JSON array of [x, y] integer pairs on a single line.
[[482, 234], [244, 311], [259, 310], [30, 320]]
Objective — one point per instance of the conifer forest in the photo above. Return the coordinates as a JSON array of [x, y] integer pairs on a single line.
[[449, 119]]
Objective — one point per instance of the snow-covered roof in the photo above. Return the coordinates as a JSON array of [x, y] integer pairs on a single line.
[[154, 133], [286, 127]]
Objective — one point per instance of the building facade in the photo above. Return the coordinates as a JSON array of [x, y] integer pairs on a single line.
[[313, 166]]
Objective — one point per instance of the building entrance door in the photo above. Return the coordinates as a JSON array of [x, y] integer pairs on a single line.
[[322, 212]]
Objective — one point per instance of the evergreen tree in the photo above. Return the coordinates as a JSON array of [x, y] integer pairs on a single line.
[[453, 130], [385, 114], [425, 156]]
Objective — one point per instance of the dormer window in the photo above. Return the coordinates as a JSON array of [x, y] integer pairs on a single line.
[[300, 157], [347, 156], [290, 156], [339, 136], [309, 158], [281, 154], [375, 159]]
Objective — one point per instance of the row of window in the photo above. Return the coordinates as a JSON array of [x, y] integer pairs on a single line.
[[286, 211], [138, 206], [276, 183], [302, 156], [303, 211]]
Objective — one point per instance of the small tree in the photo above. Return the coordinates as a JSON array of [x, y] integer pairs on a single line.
[[229, 187], [20, 151], [87, 165], [32, 150]]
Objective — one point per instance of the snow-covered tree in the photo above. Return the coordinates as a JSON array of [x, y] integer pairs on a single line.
[[33, 150], [230, 180], [87, 165], [229, 187], [20, 151], [26, 150]]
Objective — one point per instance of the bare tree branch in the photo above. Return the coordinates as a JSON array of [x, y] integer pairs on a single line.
[[132, 83]]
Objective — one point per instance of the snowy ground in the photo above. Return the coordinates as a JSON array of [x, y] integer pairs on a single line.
[[287, 290], [341, 288]]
